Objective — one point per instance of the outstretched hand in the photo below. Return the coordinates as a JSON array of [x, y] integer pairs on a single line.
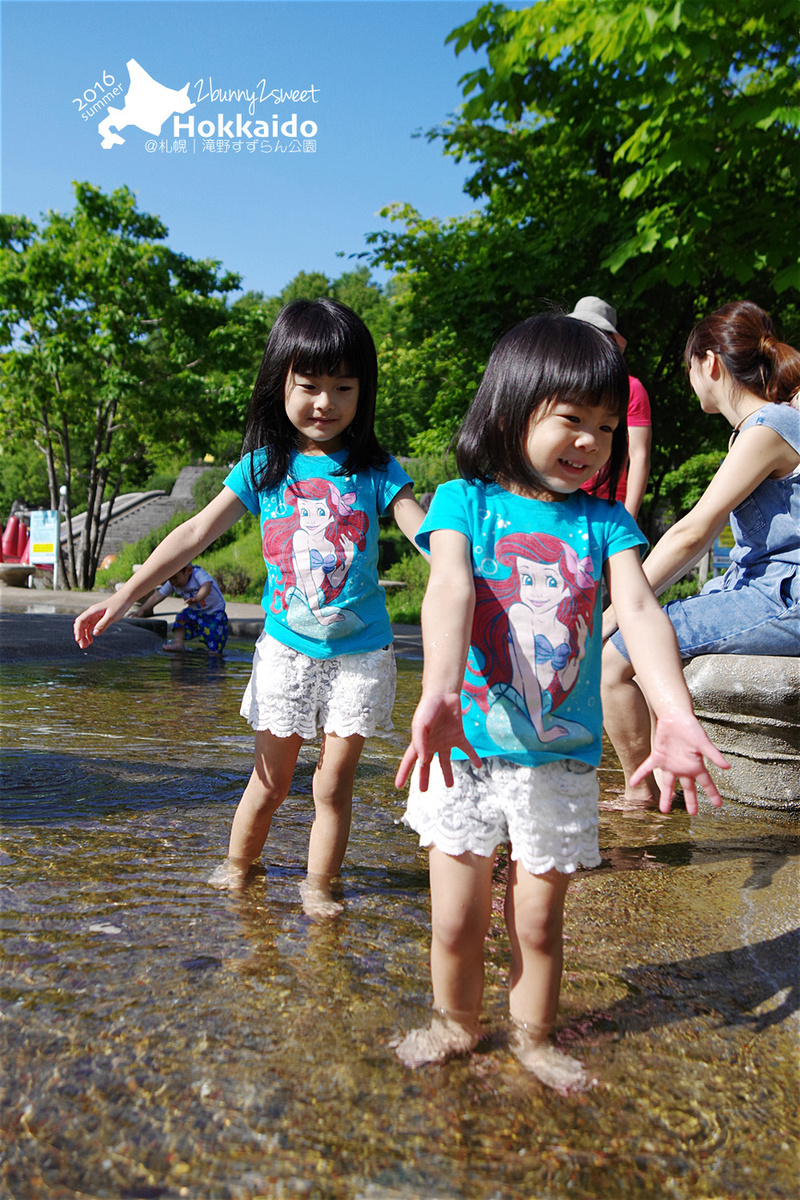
[[436, 728], [679, 747], [93, 621]]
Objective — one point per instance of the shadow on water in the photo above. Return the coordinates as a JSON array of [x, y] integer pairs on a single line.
[[162, 1039]]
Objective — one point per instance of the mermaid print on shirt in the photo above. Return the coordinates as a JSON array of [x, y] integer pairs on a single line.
[[314, 546], [529, 636]]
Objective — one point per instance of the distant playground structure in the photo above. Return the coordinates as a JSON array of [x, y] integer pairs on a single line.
[[134, 515]]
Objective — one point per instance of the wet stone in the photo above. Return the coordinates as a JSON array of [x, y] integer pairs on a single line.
[[750, 708]]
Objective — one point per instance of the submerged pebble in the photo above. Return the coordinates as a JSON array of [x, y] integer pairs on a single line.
[[229, 1048]]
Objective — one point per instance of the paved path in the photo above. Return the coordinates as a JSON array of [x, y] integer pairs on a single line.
[[37, 623]]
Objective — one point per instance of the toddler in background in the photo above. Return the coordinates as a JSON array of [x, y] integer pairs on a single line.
[[204, 616]]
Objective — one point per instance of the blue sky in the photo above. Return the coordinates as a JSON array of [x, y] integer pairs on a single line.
[[367, 74]]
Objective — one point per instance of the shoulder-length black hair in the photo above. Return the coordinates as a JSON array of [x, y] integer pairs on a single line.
[[314, 337], [544, 359]]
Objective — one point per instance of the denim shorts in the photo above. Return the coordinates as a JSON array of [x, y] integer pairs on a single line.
[[743, 620]]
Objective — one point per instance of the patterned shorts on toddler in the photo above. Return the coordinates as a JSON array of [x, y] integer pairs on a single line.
[[289, 692], [211, 628], [548, 814]]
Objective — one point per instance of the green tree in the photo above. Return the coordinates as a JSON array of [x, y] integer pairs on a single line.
[[646, 153], [682, 117], [106, 337]]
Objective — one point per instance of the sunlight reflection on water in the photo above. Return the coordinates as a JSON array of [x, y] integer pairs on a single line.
[[164, 1039]]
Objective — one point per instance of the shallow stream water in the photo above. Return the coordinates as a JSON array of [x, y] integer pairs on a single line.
[[162, 1039]]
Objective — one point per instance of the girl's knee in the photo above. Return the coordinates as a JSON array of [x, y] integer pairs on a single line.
[[332, 793], [263, 797], [536, 921], [539, 931], [458, 929]]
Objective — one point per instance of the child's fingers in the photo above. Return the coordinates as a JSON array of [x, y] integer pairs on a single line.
[[668, 791], [709, 787], [86, 626], [406, 767], [446, 767], [642, 770], [689, 785], [472, 754], [716, 756]]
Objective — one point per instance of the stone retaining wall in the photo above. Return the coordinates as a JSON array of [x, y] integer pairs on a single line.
[[750, 708]]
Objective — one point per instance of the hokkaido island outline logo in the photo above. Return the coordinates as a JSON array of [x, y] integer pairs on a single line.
[[148, 105]]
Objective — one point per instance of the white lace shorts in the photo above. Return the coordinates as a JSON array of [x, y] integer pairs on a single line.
[[289, 692], [548, 814]]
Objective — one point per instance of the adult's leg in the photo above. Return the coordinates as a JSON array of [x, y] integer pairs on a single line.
[[626, 717], [333, 782], [534, 912]]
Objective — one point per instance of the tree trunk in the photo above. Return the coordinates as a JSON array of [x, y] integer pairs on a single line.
[[92, 537]]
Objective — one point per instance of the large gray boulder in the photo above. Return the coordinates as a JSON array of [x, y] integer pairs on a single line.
[[750, 707]]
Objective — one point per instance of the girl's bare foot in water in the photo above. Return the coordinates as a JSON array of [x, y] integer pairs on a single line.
[[641, 799], [317, 898], [445, 1037], [550, 1065], [233, 873]]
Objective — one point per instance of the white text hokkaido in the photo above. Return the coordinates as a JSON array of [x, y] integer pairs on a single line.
[[237, 127]]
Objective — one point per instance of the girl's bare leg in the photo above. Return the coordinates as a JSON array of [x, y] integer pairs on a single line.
[[534, 912], [266, 790], [333, 783], [461, 903], [626, 717]]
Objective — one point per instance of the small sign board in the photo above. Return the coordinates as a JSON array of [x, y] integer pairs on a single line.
[[44, 537], [721, 551]]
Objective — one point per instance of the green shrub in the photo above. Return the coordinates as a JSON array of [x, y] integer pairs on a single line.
[[404, 605], [683, 487], [429, 470], [238, 566], [681, 590], [159, 481], [233, 580], [208, 486]]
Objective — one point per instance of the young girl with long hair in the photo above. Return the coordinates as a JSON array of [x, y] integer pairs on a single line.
[[313, 471], [511, 680], [740, 369]]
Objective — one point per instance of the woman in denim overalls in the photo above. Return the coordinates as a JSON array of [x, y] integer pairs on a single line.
[[739, 368]]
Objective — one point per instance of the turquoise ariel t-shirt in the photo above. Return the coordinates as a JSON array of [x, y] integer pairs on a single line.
[[531, 689], [319, 535]]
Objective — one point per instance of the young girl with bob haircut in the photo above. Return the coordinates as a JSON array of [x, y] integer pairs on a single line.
[[511, 681], [739, 368], [313, 471]]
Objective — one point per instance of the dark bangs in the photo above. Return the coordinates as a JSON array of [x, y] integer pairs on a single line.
[[546, 358], [315, 337]]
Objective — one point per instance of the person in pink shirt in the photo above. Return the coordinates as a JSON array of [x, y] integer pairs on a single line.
[[633, 478]]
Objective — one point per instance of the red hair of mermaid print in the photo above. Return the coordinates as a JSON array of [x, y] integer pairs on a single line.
[[320, 527], [555, 592]]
